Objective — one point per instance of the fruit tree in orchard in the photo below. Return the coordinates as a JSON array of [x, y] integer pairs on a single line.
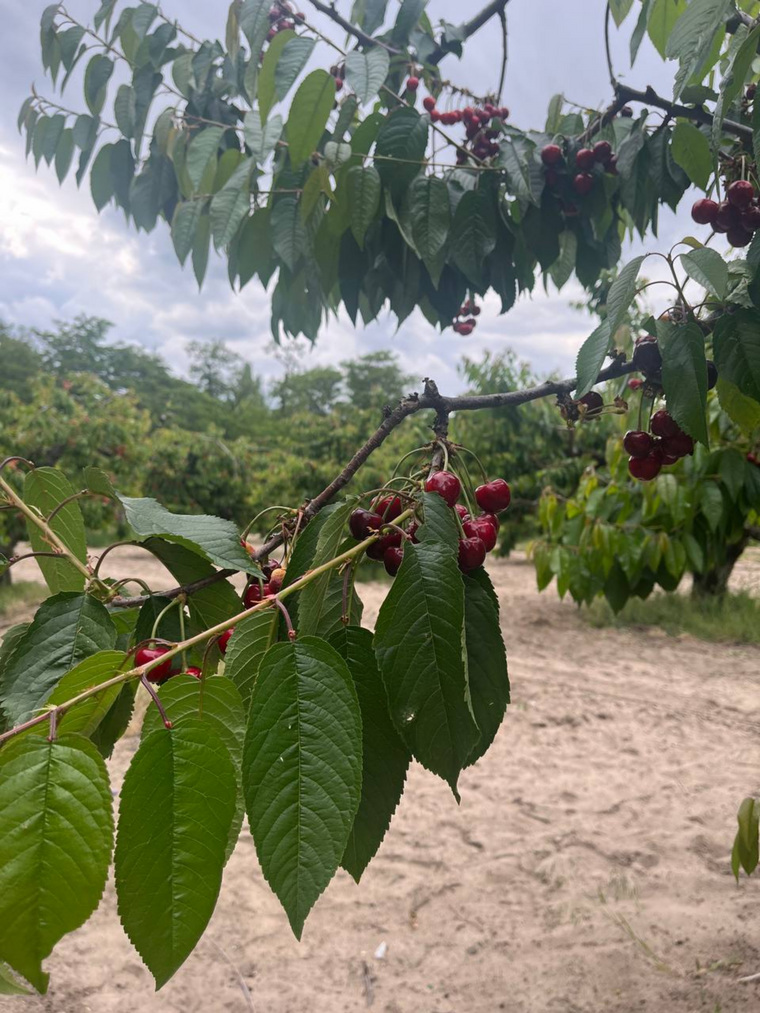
[[327, 155]]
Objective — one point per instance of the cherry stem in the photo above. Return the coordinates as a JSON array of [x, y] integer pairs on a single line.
[[12, 460], [161, 615], [286, 615], [344, 617], [53, 726], [249, 526], [472, 453], [182, 599], [157, 702], [110, 548], [132, 580]]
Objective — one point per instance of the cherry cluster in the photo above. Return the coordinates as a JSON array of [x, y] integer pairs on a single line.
[[738, 216], [479, 534], [465, 322], [578, 168], [283, 18], [481, 127], [663, 446], [166, 670]]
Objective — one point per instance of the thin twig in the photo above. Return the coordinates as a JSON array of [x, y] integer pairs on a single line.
[[504, 51], [366, 40], [471, 27], [608, 50]]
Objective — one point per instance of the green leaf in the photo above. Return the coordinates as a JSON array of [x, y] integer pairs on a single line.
[[419, 643], [591, 358], [708, 269], [101, 180], [366, 72], [662, 16], [732, 470], [408, 16], [85, 717], [213, 538], [363, 187], [231, 206], [745, 854], [44, 490], [252, 639], [690, 149], [294, 58], [64, 154], [116, 722], [711, 504], [261, 140], [201, 249], [177, 807], [640, 30], [692, 37], [210, 605], [431, 219], [56, 832], [201, 151], [302, 769], [96, 78], [620, 9], [473, 234], [742, 410], [288, 232], [402, 135], [8, 983], [684, 376], [52, 136], [736, 340], [187, 214], [735, 76], [66, 629], [309, 113], [124, 109], [486, 659], [266, 85], [622, 293], [313, 600], [385, 757]]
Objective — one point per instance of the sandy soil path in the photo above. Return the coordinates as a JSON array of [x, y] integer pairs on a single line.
[[586, 871]]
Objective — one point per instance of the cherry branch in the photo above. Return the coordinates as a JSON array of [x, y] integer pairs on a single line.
[[469, 28], [366, 40], [430, 399]]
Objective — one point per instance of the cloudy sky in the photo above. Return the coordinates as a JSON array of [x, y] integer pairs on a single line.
[[59, 258]]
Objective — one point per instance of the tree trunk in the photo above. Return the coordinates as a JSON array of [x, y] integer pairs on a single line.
[[714, 583]]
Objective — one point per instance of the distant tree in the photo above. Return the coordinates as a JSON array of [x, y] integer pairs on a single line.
[[374, 380]]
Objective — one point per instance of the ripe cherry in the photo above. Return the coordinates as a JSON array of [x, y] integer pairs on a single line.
[[741, 194], [492, 519], [412, 532], [704, 211], [602, 151], [363, 523], [754, 459], [663, 424], [389, 508], [145, 654], [413, 83], [712, 374], [646, 468], [429, 103], [594, 403], [378, 549], [393, 558], [461, 509], [446, 485], [493, 497], [727, 217], [472, 554], [635, 384], [585, 159], [254, 593], [483, 529], [738, 237], [611, 166], [194, 671], [552, 177], [583, 183], [551, 154], [638, 443], [751, 218], [224, 640], [679, 445], [647, 357]]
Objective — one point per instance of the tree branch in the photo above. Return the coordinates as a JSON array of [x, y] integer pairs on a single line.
[[469, 28], [432, 400], [366, 40]]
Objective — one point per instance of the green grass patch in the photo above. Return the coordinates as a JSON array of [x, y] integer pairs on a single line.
[[15, 596], [733, 619]]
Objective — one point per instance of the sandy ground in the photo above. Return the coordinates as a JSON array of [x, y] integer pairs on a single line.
[[587, 868]]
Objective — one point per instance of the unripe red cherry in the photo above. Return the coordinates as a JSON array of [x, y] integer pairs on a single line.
[[585, 159], [224, 640], [254, 593], [645, 468], [663, 424], [704, 211], [393, 558], [602, 151], [741, 194], [493, 497], [363, 523], [413, 83], [739, 237], [389, 508], [635, 384], [638, 443], [145, 654], [551, 154], [429, 103], [583, 183], [275, 582], [194, 671], [446, 485], [339, 84], [472, 554]]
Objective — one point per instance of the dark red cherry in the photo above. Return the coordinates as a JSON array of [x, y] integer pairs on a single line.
[[493, 497], [145, 654], [741, 194], [363, 523], [704, 211], [472, 554], [663, 424], [446, 485], [638, 443], [393, 558], [646, 468]]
